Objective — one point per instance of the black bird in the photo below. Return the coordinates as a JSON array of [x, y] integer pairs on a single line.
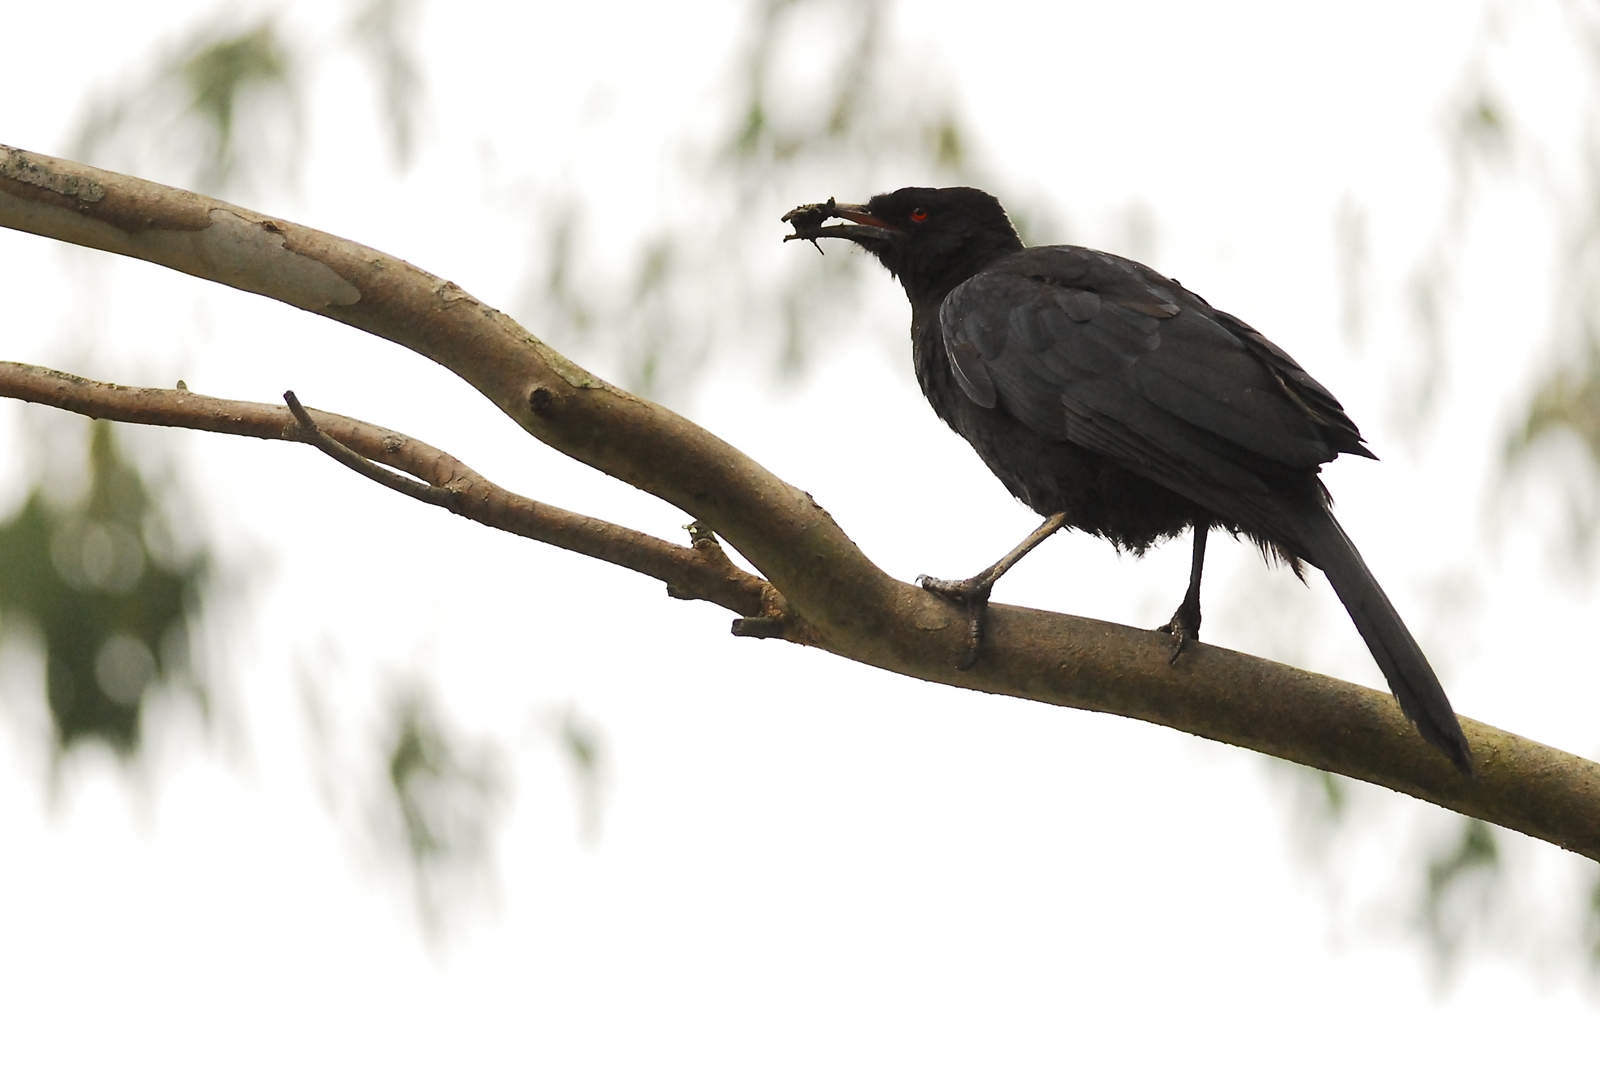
[[1110, 399]]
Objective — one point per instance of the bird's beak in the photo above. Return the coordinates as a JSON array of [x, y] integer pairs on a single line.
[[808, 223]]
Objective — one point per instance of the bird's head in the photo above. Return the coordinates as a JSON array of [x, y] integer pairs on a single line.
[[930, 239]]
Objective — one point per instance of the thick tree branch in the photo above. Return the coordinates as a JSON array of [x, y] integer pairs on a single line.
[[834, 597]]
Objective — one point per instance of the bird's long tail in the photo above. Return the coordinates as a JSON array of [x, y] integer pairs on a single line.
[[1404, 666]]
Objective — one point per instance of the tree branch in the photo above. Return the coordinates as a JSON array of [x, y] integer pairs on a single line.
[[831, 595], [701, 571]]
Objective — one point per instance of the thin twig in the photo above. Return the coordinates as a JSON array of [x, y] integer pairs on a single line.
[[701, 571], [394, 481]]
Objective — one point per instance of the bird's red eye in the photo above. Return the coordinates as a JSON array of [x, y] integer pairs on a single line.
[[918, 215]]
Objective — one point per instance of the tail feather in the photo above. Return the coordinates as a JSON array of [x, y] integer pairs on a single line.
[[1404, 666]]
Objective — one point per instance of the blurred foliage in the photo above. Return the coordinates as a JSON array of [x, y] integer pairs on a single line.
[[1479, 144], [384, 31], [1489, 134], [441, 800], [582, 745], [1568, 399], [410, 792], [1462, 891], [1465, 885], [216, 73], [1566, 406], [111, 601], [1592, 927], [858, 109], [824, 102], [221, 105], [1456, 887], [1352, 244]]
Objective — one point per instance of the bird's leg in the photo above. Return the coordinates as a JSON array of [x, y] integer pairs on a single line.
[[973, 593], [1185, 623]]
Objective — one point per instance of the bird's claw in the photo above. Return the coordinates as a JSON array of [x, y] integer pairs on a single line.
[[1184, 628], [971, 595]]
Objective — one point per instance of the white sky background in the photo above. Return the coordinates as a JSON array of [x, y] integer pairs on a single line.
[[803, 862]]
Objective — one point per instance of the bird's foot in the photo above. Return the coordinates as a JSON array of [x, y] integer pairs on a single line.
[[1184, 628], [971, 595]]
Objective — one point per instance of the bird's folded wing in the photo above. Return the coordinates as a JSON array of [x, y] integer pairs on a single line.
[[1082, 347]]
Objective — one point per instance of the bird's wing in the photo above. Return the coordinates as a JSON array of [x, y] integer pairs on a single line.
[[1092, 349]]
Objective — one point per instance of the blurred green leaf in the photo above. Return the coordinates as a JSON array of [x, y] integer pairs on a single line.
[[220, 107], [114, 615], [949, 146], [385, 31], [444, 797], [583, 746], [1319, 810], [217, 73], [1567, 399], [1481, 139], [1461, 890], [1481, 127]]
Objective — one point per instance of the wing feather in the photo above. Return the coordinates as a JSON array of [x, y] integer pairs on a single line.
[[1099, 351]]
